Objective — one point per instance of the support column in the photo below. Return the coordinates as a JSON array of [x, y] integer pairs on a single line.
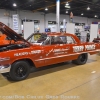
[[58, 15]]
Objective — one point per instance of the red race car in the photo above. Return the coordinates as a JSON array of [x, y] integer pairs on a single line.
[[17, 58]]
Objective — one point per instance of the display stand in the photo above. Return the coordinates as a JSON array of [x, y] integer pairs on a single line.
[[28, 29], [70, 28], [93, 31]]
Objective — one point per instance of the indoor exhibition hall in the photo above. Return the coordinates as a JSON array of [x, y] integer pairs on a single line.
[[49, 50]]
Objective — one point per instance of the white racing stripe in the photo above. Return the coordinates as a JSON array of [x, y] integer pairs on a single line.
[[67, 55], [49, 52]]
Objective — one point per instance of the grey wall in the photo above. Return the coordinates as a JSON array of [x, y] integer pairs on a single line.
[[39, 16]]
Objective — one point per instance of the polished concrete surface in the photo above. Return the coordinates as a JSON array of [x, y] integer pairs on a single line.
[[64, 81]]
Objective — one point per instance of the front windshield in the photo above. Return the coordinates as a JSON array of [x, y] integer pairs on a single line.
[[37, 38]]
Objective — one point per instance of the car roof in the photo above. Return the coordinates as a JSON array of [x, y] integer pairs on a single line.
[[52, 33], [58, 34]]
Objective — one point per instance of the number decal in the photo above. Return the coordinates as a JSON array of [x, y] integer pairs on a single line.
[[81, 48], [90, 47], [78, 48]]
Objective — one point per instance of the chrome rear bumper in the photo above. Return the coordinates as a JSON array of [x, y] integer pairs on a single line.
[[5, 69]]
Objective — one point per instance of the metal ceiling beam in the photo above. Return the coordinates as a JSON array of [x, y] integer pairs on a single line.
[[50, 6], [80, 8], [87, 2], [28, 3]]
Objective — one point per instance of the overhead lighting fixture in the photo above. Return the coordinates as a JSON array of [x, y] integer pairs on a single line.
[[88, 8], [67, 7], [46, 9], [82, 14], [67, 4], [66, 12], [14, 4]]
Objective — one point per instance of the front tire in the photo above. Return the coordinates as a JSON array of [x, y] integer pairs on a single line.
[[82, 59], [19, 70]]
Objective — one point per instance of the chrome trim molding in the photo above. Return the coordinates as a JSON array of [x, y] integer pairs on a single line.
[[5, 69]]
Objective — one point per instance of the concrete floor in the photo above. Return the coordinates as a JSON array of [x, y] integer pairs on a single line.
[[64, 81]]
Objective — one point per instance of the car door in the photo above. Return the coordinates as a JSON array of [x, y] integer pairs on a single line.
[[48, 49], [62, 49], [56, 51]]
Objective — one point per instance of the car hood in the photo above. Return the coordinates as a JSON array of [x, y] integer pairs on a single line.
[[10, 33]]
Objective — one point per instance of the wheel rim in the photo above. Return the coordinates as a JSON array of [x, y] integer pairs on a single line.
[[21, 71], [82, 58]]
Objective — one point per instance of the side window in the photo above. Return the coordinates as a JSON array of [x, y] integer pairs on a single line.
[[58, 40], [52, 40], [70, 40], [63, 39], [47, 41]]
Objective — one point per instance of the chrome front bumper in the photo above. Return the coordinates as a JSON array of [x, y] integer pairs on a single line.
[[5, 69]]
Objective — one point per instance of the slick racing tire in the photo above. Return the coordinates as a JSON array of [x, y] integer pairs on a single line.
[[82, 59], [19, 71]]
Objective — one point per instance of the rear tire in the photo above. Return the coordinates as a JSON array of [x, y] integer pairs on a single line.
[[19, 71], [82, 59]]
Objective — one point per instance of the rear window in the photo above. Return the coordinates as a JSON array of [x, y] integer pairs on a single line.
[[70, 40]]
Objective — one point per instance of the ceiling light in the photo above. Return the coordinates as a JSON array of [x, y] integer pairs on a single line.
[[14, 4], [46, 9], [67, 4], [66, 12], [82, 14], [88, 8]]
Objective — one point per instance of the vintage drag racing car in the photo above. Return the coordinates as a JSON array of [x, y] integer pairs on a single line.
[[17, 58]]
